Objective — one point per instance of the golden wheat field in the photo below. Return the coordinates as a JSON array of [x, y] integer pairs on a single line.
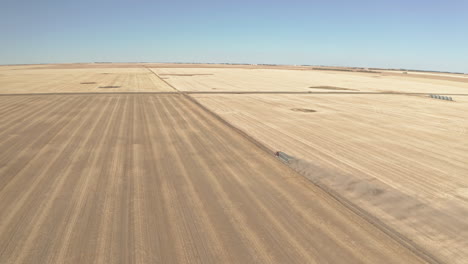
[[287, 80], [103, 80]]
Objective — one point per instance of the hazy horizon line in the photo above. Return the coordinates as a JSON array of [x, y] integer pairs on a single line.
[[238, 63]]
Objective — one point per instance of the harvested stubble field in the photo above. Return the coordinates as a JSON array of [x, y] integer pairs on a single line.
[[286, 80], [401, 158], [154, 178], [40, 80]]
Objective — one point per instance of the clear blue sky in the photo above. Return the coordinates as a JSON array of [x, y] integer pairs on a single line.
[[419, 34]]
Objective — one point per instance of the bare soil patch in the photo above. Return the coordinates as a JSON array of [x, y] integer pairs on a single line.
[[185, 74], [332, 88], [305, 110], [345, 69], [109, 87]]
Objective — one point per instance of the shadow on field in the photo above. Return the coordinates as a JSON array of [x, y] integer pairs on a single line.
[[304, 110], [109, 87], [404, 216]]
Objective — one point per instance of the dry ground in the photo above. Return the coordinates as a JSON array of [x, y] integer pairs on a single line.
[[119, 178], [281, 80], [402, 158], [155, 179], [28, 79]]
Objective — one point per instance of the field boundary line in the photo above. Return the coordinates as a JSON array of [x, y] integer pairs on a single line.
[[87, 93], [310, 92], [220, 92], [236, 129], [159, 77]]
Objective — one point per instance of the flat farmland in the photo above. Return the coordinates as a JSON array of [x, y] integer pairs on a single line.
[[156, 179], [40, 79], [166, 163], [307, 80], [401, 158]]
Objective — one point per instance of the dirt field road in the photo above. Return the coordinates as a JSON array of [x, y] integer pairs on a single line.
[[155, 179]]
